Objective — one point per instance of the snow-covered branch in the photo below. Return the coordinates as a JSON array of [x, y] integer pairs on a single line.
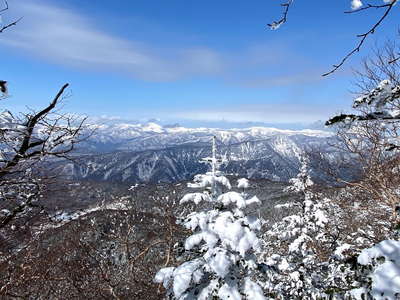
[[24, 142], [379, 101], [276, 24]]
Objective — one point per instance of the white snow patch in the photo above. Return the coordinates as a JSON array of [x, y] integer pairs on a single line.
[[386, 276]]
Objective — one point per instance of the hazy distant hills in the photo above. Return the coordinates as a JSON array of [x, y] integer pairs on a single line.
[[149, 152]]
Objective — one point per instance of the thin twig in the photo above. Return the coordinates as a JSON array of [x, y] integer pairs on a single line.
[[368, 6], [394, 60], [275, 24], [9, 25], [364, 35]]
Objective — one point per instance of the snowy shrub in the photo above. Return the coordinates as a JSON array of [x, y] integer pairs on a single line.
[[220, 254]]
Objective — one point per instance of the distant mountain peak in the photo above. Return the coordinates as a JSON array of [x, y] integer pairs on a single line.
[[153, 127]]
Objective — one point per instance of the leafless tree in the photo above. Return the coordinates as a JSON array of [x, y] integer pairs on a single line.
[[371, 140], [27, 142], [381, 65], [380, 176], [377, 94]]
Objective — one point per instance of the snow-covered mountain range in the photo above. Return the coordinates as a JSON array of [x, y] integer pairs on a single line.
[[153, 153], [152, 136]]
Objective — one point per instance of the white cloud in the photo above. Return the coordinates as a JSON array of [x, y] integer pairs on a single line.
[[63, 36], [302, 77], [270, 113]]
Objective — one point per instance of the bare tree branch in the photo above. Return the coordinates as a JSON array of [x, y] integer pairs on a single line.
[[18, 210], [26, 141], [9, 24], [363, 36], [367, 6], [5, 6], [276, 24], [394, 60], [367, 117]]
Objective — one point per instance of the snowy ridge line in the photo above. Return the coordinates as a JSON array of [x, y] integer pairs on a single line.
[[147, 136], [275, 158], [193, 144], [155, 128], [62, 218]]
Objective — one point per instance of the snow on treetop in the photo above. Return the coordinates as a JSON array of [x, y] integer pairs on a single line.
[[232, 197], [235, 233], [376, 96], [236, 198], [379, 98], [389, 249], [302, 181], [252, 290], [195, 197], [183, 275], [386, 276], [243, 183], [230, 291], [207, 180]]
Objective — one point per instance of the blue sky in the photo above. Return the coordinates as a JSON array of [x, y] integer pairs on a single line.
[[184, 60]]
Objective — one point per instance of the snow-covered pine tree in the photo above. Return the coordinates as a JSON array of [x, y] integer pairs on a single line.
[[292, 267], [380, 265], [220, 254]]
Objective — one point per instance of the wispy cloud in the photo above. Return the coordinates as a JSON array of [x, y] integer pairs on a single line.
[[63, 36], [271, 113], [296, 78], [272, 64]]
